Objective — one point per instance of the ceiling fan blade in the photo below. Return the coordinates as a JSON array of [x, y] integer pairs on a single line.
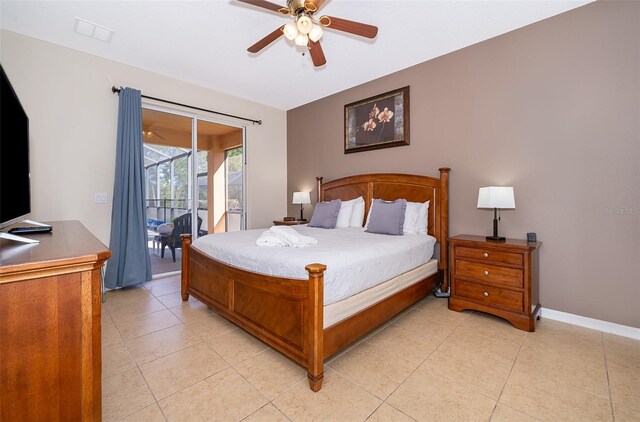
[[352, 27], [317, 55], [267, 5], [266, 41], [313, 5]]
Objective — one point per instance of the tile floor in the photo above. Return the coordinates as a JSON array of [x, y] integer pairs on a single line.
[[168, 360]]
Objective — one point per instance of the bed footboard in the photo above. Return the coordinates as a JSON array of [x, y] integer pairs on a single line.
[[284, 313]]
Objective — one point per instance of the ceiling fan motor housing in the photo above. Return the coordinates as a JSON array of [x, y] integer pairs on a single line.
[[298, 6]]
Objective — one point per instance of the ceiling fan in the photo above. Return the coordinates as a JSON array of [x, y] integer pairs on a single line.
[[306, 30]]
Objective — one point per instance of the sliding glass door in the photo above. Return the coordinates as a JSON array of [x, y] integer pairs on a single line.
[[193, 166]]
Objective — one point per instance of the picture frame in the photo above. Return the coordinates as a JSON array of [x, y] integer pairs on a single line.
[[381, 121]]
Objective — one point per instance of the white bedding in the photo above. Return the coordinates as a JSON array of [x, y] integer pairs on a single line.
[[355, 260]]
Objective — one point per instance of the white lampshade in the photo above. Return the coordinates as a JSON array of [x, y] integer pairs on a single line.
[[290, 31], [301, 198], [304, 24], [496, 197], [316, 33], [302, 40]]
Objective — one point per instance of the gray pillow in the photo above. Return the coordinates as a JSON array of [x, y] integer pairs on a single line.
[[387, 217], [325, 214]]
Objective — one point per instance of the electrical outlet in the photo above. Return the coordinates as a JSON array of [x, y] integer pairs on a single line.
[[101, 198]]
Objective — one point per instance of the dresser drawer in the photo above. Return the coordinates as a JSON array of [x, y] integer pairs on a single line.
[[487, 273], [489, 255], [489, 296]]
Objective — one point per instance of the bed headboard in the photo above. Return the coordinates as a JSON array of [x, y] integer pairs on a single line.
[[390, 186]]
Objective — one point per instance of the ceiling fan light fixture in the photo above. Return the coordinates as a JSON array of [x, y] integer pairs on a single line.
[[304, 24], [316, 33], [302, 39], [290, 31]]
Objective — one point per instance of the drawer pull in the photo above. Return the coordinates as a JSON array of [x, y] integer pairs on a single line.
[[486, 255], [486, 272], [485, 294]]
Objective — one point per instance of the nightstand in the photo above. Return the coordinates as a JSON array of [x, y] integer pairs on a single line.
[[499, 278], [289, 222]]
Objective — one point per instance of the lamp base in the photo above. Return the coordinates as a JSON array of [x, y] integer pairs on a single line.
[[495, 237]]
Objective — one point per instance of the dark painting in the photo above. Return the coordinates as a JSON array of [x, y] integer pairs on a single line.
[[378, 122]]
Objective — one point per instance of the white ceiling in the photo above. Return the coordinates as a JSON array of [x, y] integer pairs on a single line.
[[205, 42]]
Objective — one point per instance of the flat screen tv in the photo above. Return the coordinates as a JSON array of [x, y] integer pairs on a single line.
[[15, 189]]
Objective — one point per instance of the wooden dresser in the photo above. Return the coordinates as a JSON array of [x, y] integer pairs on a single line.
[[500, 278], [50, 357]]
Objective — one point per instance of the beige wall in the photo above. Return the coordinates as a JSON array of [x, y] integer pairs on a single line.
[[72, 117], [552, 109]]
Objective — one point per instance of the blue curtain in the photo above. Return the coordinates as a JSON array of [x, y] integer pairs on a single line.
[[130, 263]]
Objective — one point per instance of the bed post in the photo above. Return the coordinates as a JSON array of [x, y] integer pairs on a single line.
[[444, 227], [315, 329], [319, 188], [184, 277]]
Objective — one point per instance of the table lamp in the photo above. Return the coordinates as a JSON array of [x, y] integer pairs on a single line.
[[496, 197], [301, 198]]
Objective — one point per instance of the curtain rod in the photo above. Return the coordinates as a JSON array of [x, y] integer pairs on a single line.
[[117, 90]]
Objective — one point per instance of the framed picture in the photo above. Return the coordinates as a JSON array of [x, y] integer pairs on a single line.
[[377, 122]]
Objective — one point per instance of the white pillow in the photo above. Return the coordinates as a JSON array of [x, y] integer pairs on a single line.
[[351, 213], [411, 213], [423, 217], [366, 225], [344, 215], [357, 216], [415, 218]]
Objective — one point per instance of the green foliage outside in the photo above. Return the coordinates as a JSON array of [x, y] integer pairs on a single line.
[[234, 163], [234, 159]]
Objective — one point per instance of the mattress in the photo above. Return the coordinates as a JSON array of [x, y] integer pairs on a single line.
[[355, 260], [345, 308]]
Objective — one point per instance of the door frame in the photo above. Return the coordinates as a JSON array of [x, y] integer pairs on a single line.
[[195, 117]]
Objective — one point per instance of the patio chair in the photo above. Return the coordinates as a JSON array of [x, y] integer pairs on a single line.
[[181, 225]]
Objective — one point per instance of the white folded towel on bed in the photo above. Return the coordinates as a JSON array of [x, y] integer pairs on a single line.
[[292, 237], [284, 236], [269, 239]]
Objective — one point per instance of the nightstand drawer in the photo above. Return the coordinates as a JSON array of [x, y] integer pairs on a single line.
[[487, 273], [490, 296], [489, 255]]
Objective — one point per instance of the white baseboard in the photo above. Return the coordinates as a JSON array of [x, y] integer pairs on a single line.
[[596, 324]]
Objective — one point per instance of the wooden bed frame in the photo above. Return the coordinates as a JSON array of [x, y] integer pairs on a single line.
[[287, 314]]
